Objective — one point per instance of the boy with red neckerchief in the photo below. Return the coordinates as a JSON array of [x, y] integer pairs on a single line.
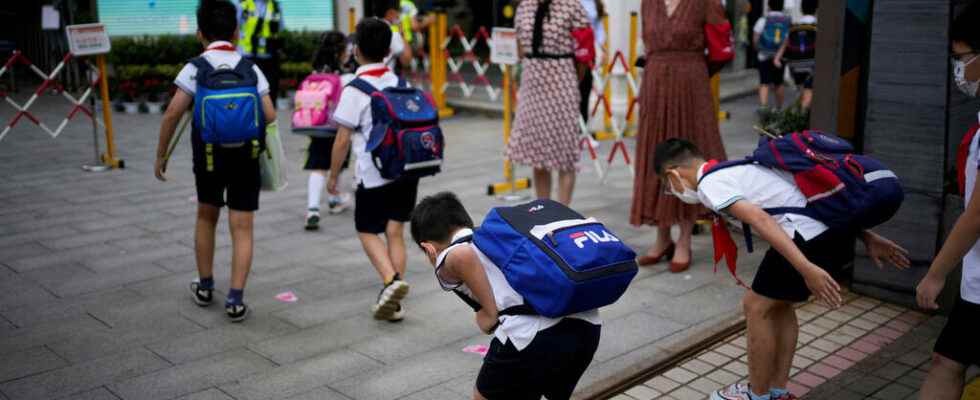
[[804, 255], [227, 167], [381, 206]]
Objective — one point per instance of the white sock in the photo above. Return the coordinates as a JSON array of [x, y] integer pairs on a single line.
[[314, 190]]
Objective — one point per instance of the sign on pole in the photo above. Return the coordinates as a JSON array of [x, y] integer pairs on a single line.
[[503, 46], [88, 39]]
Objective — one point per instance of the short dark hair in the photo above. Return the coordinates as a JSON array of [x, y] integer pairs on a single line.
[[437, 216], [373, 38], [217, 20], [775, 5], [327, 54], [808, 7], [966, 26], [381, 7], [673, 152]]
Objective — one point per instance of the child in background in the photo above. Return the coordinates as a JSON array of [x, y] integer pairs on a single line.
[[800, 51], [390, 12], [231, 168], [381, 206], [770, 33], [329, 58]]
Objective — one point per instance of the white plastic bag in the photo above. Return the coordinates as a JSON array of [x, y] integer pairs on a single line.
[[272, 160]]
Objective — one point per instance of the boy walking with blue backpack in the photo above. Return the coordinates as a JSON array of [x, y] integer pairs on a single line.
[[535, 274], [809, 196], [393, 132], [231, 102], [769, 34]]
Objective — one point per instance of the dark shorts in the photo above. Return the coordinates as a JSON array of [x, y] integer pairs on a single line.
[[957, 342], [373, 208], [778, 280], [550, 366], [319, 154], [769, 74], [803, 78], [235, 173]]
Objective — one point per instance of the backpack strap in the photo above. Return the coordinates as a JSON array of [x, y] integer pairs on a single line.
[[522, 309], [363, 86], [402, 83]]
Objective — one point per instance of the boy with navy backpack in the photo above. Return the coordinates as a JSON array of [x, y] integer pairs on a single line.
[[799, 51], [393, 132], [535, 274], [769, 34], [231, 105], [809, 196]]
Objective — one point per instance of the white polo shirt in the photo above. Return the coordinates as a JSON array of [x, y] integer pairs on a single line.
[[220, 55], [354, 112], [763, 186], [970, 284]]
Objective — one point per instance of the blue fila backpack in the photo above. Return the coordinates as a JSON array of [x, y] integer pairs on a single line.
[[843, 190], [559, 261], [227, 105], [406, 140]]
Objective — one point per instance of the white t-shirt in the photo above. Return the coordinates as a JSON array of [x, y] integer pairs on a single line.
[[187, 78], [762, 186], [354, 111], [970, 285], [519, 329], [808, 19], [396, 48]]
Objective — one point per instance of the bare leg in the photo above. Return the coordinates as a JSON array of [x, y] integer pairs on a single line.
[[806, 98], [763, 95], [663, 241], [240, 223], [542, 183], [682, 253], [376, 251], [784, 316], [477, 395], [945, 380], [207, 220], [394, 233], [763, 341], [780, 95], [566, 185]]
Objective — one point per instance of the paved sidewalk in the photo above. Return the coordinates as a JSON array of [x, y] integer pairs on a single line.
[[94, 269], [830, 350]]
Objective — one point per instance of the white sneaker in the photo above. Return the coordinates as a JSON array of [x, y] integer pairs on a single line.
[[737, 391], [339, 204], [388, 306], [312, 220]]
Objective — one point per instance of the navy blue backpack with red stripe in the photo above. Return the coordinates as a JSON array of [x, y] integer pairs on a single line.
[[843, 190]]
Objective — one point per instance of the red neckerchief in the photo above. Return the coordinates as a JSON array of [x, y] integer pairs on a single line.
[[375, 72], [724, 244], [223, 47]]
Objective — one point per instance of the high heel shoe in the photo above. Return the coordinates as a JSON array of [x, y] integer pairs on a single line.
[[681, 267], [646, 260]]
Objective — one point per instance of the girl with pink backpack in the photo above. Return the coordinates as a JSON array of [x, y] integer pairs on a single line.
[[314, 102]]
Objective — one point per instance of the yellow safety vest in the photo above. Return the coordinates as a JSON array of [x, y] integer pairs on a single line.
[[408, 12], [246, 42]]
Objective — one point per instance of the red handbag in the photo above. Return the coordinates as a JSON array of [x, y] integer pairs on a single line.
[[718, 38], [584, 45]]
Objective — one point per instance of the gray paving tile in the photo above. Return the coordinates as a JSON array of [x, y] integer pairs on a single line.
[[97, 394], [16, 291], [191, 377], [301, 377], [22, 250], [146, 256], [84, 376], [96, 343], [62, 257], [633, 331], [209, 394], [96, 237], [321, 393], [52, 332], [40, 312], [317, 340], [702, 303], [28, 362], [218, 340]]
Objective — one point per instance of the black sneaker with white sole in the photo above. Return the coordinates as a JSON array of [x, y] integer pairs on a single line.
[[236, 312], [201, 296], [312, 220], [388, 306]]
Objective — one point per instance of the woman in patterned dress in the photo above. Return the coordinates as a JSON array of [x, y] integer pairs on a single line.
[[546, 125], [675, 102]]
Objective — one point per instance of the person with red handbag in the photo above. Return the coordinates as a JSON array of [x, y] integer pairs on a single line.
[[675, 102]]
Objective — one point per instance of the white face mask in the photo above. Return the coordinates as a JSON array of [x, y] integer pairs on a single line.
[[687, 196], [959, 76]]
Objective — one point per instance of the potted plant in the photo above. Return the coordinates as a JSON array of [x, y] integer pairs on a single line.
[[155, 89], [127, 91]]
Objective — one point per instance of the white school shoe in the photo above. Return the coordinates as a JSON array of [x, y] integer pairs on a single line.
[[339, 204], [736, 391]]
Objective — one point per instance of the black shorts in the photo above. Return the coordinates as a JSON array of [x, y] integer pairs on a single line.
[[802, 77], [235, 172], [957, 342], [778, 280], [550, 366], [769, 74], [373, 208], [319, 154]]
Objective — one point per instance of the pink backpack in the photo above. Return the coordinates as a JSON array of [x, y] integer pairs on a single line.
[[314, 104]]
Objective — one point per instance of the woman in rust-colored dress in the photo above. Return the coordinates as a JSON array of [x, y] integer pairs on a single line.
[[675, 102]]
